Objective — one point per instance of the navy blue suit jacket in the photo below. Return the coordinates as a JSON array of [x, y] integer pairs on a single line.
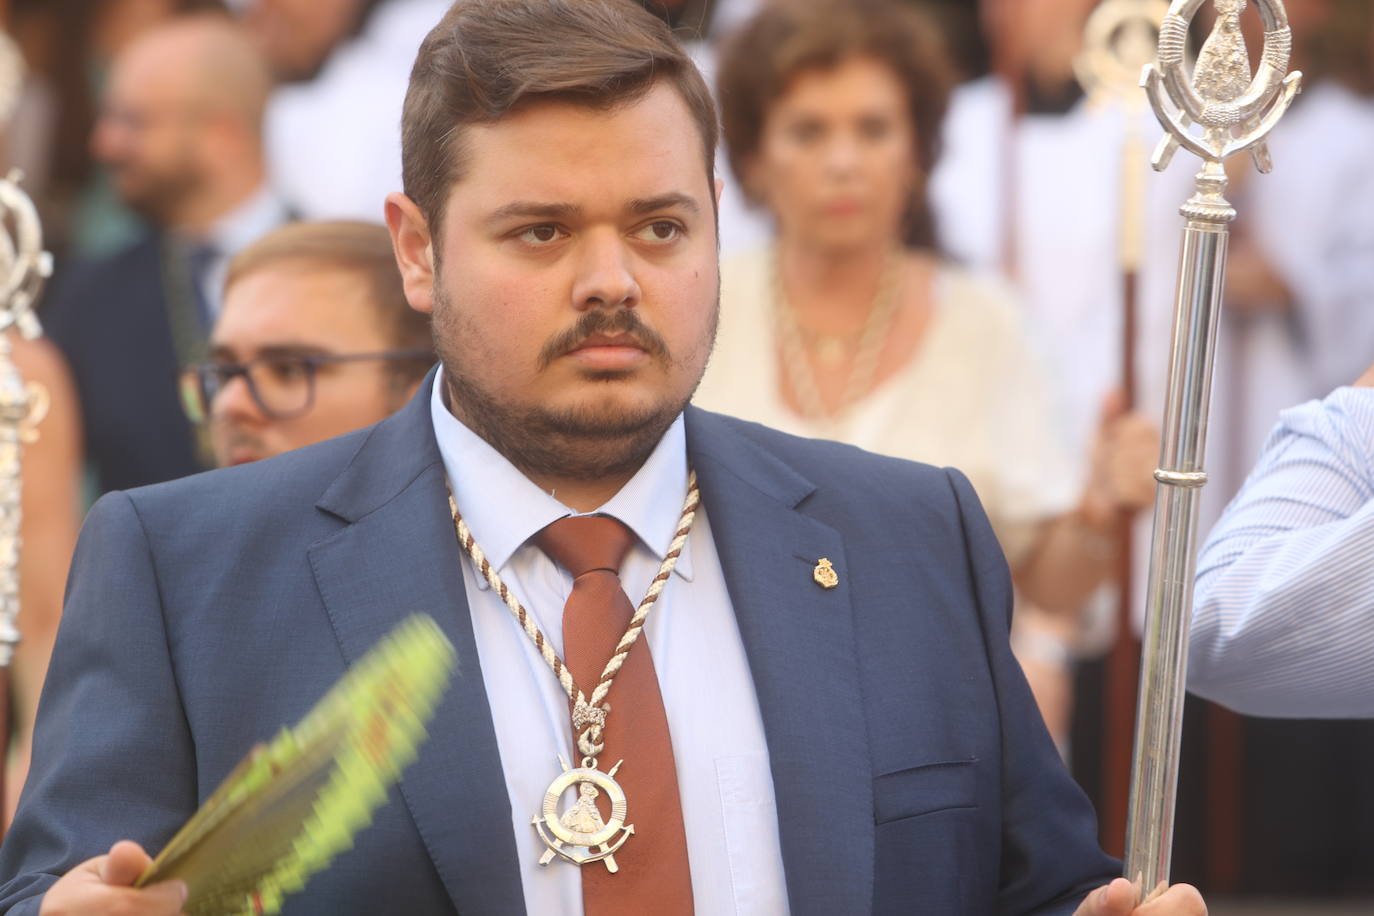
[[912, 771], [110, 319]]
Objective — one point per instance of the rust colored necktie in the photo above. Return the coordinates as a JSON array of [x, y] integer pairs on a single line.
[[653, 875]]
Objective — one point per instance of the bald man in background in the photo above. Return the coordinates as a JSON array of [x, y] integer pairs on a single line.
[[181, 132]]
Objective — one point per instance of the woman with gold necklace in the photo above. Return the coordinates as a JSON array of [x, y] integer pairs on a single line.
[[851, 327]]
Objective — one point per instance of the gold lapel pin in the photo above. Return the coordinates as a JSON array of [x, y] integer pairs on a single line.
[[825, 574]]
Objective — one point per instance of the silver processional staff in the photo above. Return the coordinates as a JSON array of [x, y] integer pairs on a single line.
[[1217, 111], [24, 266]]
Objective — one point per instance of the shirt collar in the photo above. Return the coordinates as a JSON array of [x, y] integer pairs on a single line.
[[262, 212], [503, 508], [650, 504]]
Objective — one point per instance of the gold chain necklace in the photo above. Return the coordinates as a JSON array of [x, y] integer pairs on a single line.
[[584, 837], [872, 336]]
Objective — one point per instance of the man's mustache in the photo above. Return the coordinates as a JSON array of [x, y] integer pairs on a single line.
[[232, 436], [622, 321]]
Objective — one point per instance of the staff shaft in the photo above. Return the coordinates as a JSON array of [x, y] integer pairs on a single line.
[[1159, 713]]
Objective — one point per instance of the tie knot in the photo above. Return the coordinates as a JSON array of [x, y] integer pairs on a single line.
[[583, 543]]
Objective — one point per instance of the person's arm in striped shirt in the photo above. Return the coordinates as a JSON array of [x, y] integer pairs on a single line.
[[1283, 621]]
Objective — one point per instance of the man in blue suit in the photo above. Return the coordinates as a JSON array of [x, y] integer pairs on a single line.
[[843, 727]]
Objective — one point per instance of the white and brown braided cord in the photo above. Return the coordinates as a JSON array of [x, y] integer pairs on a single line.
[[591, 713]]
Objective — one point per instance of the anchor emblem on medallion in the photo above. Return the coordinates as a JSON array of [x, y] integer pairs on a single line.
[[580, 835]]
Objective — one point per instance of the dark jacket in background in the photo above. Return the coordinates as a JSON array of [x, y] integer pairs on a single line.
[[114, 319]]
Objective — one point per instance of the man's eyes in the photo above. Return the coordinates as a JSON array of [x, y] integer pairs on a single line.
[[542, 234], [286, 370], [661, 230], [280, 370]]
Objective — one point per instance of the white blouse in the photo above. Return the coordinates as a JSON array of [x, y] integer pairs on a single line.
[[973, 396]]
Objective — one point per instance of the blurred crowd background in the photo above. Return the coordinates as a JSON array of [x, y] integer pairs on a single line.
[[936, 245]]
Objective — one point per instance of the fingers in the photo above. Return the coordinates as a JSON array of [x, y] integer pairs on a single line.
[[1115, 899], [1119, 899], [1113, 406], [124, 864], [102, 885], [164, 898], [1125, 457], [1179, 900], [1135, 454]]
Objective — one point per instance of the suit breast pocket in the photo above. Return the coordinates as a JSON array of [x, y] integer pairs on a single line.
[[924, 790], [932, 841]]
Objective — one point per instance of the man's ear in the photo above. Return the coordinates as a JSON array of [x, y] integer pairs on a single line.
[[413, 245]]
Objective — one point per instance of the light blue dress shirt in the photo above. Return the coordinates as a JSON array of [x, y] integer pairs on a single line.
[[1283, 621], [724, 780], [235, 231]]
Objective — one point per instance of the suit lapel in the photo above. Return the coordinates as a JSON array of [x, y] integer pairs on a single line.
[[399, 555], [799, 638]]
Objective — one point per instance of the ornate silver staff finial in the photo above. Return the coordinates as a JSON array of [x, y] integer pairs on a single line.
[[11, 77], [1234, 112], [24, 266], [1119, 39]]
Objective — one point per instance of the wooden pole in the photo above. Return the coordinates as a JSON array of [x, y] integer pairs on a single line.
[[1109, 70]]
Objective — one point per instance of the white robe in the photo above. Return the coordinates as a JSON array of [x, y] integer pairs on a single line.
[[1313, 218], [1067, 178], [1068, 199], [334, 143]]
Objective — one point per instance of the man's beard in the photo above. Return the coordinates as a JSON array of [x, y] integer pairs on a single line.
[[227, 437], [586, 442], [160, 197]]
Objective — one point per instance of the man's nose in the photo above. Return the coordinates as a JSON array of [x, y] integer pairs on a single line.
[[235, 401], [605, 273]]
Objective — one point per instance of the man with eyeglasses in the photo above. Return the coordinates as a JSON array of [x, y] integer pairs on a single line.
[[315, 340]]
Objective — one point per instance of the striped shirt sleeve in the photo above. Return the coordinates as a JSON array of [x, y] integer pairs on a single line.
[[1283, 620]]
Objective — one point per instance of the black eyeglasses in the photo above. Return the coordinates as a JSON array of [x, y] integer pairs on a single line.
[[283, 386]]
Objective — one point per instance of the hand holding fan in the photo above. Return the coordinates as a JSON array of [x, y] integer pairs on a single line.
[[296, 802]]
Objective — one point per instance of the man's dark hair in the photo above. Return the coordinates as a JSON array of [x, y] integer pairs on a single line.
[[486, 58]]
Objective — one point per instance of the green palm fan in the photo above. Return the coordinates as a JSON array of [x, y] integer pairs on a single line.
[[295, 803]]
